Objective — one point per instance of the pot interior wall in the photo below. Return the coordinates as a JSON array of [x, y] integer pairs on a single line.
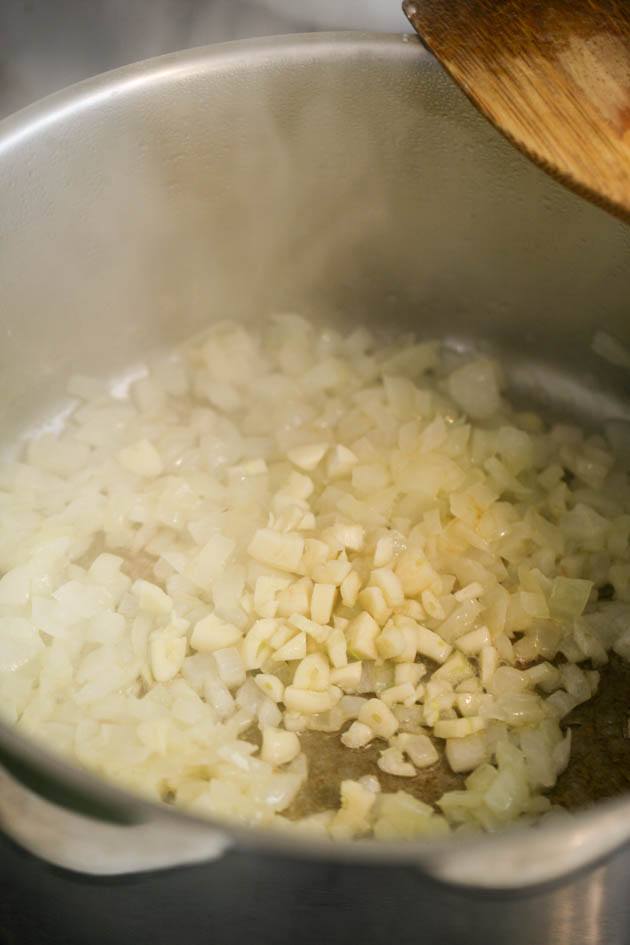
[[344, 177]]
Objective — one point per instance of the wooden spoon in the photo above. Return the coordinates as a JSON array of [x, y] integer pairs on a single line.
[[552, 75]]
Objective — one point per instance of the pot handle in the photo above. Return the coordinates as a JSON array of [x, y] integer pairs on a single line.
[[81, 843], [44, 781], [532, 856]]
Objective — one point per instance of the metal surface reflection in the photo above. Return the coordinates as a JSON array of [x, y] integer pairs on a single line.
[[247, 898], [597, 908], [46, 46]]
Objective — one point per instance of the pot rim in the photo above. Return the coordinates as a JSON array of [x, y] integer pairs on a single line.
[[141, 75], [557, 848]]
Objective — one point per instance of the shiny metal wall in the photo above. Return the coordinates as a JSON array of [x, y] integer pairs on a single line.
[[47, 44]]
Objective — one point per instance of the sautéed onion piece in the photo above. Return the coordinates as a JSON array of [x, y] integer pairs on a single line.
[[287, 529]]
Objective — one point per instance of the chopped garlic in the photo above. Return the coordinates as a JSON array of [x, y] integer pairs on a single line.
[[432, 605], [308, 701], [280, 550], [342, 536], [390, 585], [293, 649], [384, 551], [167, 655], [379, 718], [348, 677], [266, 593], [350, 587], [419, 748], [281, 636], [431, 645], [373, 600], [278, 747], [322, 602], [357, 736], [230, 667], [405, 694], [458, 728], [331, 572], [211, 633], [390, 643], [337, 649], [391, 761], [270, 685], [313, 672], [414, 573], [544, 675], [315, 552], [455, 669], [352, 818], [409, 672], [314, 630], [362, 633], [296, 598], [255, 648]]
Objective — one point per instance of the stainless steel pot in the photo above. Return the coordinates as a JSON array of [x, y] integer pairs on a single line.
[[343, 176]]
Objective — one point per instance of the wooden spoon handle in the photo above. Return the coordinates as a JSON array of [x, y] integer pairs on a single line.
[[553, 75]]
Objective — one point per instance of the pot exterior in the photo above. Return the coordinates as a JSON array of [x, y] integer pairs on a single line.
[[249, 897], [344, 177]]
